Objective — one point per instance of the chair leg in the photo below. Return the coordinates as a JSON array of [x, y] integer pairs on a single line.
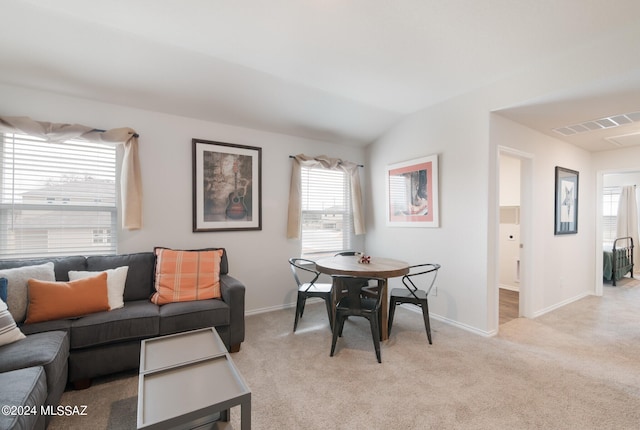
[[392, 311], [375, 333], [327, 301], [299, 310], [303, 301], [340, 323], [337, 327], [425, 315]]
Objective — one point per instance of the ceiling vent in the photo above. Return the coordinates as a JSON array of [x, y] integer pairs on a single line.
[[599, 124]]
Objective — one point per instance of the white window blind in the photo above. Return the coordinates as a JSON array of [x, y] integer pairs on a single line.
[[56, 198], [610, 198], [326, 212]]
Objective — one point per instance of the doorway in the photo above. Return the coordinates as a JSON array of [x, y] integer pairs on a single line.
[[612, 184], [514, 234]]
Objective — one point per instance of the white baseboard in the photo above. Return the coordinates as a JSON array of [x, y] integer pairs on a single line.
[[454, 323], [561, 304], [463, 326], [445, 320], [409, 307], [280, 307], [509, 287], [269, 309]]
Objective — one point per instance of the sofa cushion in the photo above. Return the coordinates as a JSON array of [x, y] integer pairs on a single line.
[[9, 332], [49, 350], [27, 389], [101, 360], [138, 319], [139, 284], [116, 280], [55, 300], [18, 278], [186, 275], [183, 316], [55, 325]]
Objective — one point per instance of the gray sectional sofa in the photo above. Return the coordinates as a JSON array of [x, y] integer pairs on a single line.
[[33, 376], [78, 349]]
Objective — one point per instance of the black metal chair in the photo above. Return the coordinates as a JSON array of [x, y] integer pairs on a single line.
[[413, 295], [354, 304], [309, 289], [348, 253]]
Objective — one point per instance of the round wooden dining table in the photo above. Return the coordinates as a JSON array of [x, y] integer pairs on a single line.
[[378, 267]]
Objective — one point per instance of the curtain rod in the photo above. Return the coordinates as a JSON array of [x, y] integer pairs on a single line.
[[102, 131], [293, 156]]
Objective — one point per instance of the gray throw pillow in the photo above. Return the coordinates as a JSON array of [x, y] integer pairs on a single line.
[[17, 286]]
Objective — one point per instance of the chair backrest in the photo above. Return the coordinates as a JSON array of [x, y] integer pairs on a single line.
[[420, 270], [302, 264], [352, 288], [350, 254]]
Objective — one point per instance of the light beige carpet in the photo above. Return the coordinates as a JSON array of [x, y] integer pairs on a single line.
[[575, 368]]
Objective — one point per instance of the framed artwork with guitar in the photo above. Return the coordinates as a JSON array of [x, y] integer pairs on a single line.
[[227, 186]]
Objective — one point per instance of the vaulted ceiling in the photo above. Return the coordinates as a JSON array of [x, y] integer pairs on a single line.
[[335, 70]]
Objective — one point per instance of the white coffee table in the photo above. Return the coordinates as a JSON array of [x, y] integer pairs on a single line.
[[186, 379]]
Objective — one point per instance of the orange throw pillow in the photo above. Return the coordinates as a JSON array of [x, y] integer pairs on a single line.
[[57, 300], [183, 276]]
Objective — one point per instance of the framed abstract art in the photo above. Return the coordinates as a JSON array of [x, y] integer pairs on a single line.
[[566, 201], [412, 193]]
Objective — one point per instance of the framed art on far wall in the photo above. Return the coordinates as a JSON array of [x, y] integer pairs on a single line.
[[227, 186], [412, 193], [566, 203]]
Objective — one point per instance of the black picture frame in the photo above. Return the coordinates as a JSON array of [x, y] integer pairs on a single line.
[[566, 201], [227, 186]]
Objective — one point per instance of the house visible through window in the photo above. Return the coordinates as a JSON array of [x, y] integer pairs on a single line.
[[610, 198], [56, 198], [326, 212]]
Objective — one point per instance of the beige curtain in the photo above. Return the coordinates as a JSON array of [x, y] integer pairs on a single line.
[[130, 180], [627, 220], [295, 191]]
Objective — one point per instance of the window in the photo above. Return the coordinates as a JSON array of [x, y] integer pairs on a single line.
[[610, 198], [56, 198], [326, 211]]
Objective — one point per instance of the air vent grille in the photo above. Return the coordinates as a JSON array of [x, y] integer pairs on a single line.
[[599, 124]]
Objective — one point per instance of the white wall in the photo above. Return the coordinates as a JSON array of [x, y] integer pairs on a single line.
[[562, 266], [621, 179], [464, 244], [617, 160], [509, 181], [459, 130], [258, 258]]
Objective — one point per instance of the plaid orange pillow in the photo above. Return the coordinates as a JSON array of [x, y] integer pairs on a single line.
[[183, 276]]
